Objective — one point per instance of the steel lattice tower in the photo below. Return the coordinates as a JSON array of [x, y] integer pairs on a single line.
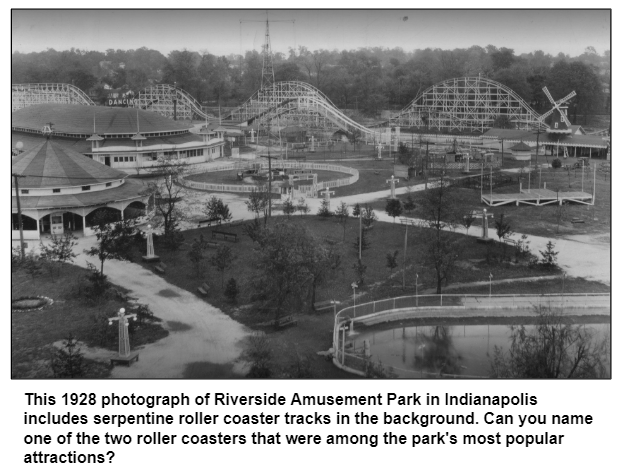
[[268, 76]]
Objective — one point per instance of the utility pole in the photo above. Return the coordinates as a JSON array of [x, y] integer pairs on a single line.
[[175, 100], [19, 214]]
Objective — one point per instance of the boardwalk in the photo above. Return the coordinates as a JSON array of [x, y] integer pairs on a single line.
[[539, 197]]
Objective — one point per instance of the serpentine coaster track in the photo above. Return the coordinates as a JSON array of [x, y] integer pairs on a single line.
[[295, 103], [458, 104], [466, 103], [24, 95]]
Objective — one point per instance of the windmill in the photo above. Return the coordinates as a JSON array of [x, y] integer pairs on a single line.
[[558, 123]]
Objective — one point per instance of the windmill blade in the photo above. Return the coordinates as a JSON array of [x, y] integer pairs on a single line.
[[565, 119], [550, 98], [542, 117], [566, 98]]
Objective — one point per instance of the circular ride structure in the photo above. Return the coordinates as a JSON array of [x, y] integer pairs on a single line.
[[295, 103], [24, 95], [170, 101], [466, 103]]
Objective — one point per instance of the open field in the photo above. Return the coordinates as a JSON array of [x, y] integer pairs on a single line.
[[34, 332], [314, 331], [541, 220]]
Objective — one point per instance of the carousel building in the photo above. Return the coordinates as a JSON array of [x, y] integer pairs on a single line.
[[61, 190], [127, 139]]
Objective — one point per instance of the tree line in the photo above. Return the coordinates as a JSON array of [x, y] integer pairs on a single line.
[[367, 79]]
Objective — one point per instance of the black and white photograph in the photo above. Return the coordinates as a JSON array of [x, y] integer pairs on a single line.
[[311, 194]]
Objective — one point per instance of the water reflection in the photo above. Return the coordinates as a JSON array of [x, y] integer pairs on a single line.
[[427, 351]]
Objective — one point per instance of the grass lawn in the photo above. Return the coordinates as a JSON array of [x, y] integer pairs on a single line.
[[542, 220], [34, 332], [314, 330]]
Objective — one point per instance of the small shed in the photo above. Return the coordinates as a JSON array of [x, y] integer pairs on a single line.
[[521, 151]]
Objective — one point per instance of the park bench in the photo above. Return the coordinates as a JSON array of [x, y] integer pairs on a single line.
[[511, 242], [325, 305], [211, 244], [161, 268], [225, 235], [285, 322], [209, 222], [577, 220], [203, 289]]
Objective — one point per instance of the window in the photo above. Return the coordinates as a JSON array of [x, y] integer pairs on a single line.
[[56, 190], [86, 188], [556, 125], [24, 192], [115, 159], [108, 184]]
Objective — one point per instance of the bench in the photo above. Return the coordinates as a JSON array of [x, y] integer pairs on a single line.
[[325, 305], [225, 235], [203, 289], [577, 221], [510, 242], [285, 322], [161, 268], [209, 222], [211, 244]]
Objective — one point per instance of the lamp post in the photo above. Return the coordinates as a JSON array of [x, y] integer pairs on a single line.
[[491, 287], [417, 289], [563, 276], [354, 286]]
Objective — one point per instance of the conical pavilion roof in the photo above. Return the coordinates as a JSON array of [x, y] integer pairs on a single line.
[[521, 147], [50, 164]]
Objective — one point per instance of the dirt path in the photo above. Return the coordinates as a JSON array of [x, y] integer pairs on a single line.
[[203, 341]]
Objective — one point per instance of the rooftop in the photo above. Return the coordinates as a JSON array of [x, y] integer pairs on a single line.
[[50, 164], [78, 119]]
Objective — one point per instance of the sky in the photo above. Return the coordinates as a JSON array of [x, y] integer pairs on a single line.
[[222, 32]]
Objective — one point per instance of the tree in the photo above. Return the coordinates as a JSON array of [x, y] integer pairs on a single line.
[[302, 206], [441, 212], [59, 251], [360, 270], [357, 210], [196, 255], [167, 194], [404, 154], [391, 261], [503, 230], [467, 221], [114, 240], [68, 361], [217, 210], [365, 242], [368, 216], [231, 290], [409, 204], [222, 259], [552, 349], [503, 122], [258, 201], [281, 273], [394, 208], [549, 256], [324, 211], [289, 207], [556, 163], [259, 356], [342, 215]]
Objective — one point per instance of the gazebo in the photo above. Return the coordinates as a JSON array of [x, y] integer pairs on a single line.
[[60, 189], [521, 151]]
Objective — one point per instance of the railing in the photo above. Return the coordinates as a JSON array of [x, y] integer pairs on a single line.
[[355, 175], [392, 309]]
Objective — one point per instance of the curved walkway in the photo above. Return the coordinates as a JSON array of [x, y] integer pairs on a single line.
[[201, 336]]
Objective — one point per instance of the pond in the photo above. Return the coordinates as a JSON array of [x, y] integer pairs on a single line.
[[426, 351]]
